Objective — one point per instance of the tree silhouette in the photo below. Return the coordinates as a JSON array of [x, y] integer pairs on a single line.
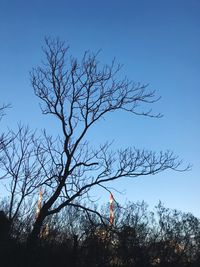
[[79, 93]]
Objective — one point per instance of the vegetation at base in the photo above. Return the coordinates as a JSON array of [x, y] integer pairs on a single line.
[[137, 238]]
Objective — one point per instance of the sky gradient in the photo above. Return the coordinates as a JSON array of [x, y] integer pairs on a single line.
[[157, 42]]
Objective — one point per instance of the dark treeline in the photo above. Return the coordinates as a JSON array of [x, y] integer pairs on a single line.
[[138, 237]]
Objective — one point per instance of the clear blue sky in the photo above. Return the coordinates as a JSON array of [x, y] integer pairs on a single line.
[[158, 43]]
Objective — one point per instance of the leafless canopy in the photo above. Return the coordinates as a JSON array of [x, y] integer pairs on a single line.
[[79, 94], [22, 170]]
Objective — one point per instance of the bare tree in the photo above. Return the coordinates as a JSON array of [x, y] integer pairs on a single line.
[[79, 94], [22, 171]]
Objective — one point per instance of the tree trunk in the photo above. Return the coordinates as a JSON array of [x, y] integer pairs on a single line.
[[35, 233]]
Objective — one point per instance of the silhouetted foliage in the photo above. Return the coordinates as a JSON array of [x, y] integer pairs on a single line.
[[4, 227], [164, 237]]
